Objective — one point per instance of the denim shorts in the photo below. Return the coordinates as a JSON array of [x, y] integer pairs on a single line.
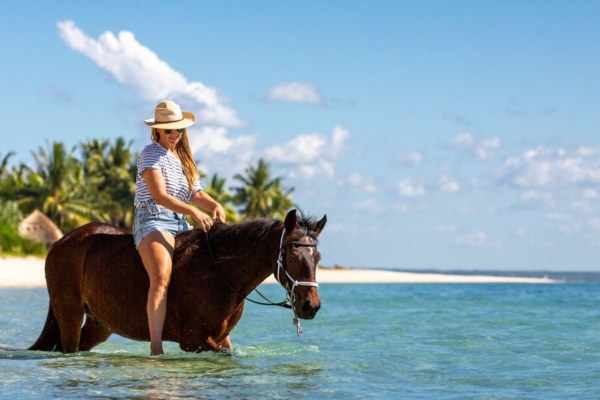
[[145, 222]]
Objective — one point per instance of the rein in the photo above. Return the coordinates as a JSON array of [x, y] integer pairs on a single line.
[[290, 295], [270, 303]]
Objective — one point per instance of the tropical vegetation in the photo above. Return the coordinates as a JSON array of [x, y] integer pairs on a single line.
[[10, 240], [95, 181]]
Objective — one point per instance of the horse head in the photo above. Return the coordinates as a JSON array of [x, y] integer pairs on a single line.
[[298, 260]]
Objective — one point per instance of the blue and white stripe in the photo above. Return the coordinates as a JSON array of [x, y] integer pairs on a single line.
[[157, 157]]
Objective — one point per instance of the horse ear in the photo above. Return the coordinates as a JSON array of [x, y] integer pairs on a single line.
[[320, 225], [290, 221]]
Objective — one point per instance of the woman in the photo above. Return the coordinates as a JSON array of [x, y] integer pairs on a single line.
[[166, 181]]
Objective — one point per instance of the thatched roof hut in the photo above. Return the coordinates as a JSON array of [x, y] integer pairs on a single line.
[[37, 227]]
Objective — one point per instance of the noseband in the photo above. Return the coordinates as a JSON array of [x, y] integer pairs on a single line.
[[291, 295], [281, 267]]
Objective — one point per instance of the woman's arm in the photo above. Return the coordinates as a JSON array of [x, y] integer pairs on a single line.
[[158, 189], [204, 201]]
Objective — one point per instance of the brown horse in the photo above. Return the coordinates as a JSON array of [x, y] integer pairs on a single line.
[[96, 271]]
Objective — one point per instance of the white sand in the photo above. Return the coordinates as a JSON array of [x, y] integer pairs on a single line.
[[24, 272], [28, 272]]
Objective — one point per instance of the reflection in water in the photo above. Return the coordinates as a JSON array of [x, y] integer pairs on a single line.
[[267, 370]]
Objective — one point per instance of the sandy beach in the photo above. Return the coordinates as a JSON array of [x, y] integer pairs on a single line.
[[28, 272]]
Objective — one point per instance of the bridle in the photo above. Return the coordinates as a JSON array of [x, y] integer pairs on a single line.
[[290, 294]]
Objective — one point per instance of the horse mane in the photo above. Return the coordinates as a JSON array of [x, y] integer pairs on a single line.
[[307, 224], [238, 239]]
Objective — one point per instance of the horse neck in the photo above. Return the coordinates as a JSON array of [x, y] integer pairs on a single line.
[[245, 273]]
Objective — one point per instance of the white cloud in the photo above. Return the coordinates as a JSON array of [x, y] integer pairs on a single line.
[[536, 196], [220, 153], [586, 151], [360, 183], [407, 189], [311, 153], [543, 167], [590, 194], [303, 149], [411, 159], [448, 185], [320, 168], [133, 65], [484, 149], [295, 92], [583, 207], [462, 140]]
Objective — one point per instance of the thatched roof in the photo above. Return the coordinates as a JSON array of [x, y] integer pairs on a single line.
[[37, 227]]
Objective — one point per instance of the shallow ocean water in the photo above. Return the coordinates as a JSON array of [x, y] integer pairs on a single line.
[[482, 341]]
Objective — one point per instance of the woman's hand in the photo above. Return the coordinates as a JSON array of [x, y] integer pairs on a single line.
[[219, 213], [204, 220], [205, 202]]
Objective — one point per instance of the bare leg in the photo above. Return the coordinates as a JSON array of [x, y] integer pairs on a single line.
[[156, 250], [226, 343]]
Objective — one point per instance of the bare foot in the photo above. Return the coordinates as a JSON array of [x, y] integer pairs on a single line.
[[156, 350], [226, 343]]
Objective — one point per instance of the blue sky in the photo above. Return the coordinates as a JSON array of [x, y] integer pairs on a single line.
[[434, 134]]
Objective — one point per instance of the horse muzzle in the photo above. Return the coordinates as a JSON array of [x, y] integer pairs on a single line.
[[309, 308]]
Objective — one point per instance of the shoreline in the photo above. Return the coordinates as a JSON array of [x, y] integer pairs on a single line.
[[359, 276], [28, 272]]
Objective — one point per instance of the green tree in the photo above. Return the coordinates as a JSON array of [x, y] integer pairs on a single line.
[[261, 196], [10, 181], [57, 186], [9, 213], [216, 189], [4, 164], [111, 168]]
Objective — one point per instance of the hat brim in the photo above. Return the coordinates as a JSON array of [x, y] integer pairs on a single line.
[[188, 120]]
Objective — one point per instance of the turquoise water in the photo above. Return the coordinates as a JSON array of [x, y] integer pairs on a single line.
[[453, 341]]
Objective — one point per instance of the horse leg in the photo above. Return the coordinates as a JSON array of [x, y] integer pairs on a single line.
[[64, 278], [230, 324], [198, 343], [93, 333], [70, 319]]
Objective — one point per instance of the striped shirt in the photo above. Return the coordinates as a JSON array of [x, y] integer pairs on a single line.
[[157, 157]]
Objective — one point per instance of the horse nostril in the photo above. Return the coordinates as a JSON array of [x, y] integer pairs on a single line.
[[308, 307]]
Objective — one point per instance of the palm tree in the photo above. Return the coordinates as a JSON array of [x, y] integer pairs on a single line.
[[216, 190], [4, 163], [12, 183], [58, 187], [7, 187], [112, 169], [259, 196]]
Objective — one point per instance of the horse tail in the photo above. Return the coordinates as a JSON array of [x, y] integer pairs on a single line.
[[49, 339]]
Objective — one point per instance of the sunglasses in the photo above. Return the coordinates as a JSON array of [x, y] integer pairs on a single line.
[[169, 131]]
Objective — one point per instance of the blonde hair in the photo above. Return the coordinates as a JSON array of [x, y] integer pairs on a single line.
[[185, 156]]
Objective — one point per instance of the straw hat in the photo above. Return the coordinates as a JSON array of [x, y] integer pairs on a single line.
[[168, 115]]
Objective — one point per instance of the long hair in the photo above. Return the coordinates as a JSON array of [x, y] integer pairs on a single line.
[[185, 156]]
